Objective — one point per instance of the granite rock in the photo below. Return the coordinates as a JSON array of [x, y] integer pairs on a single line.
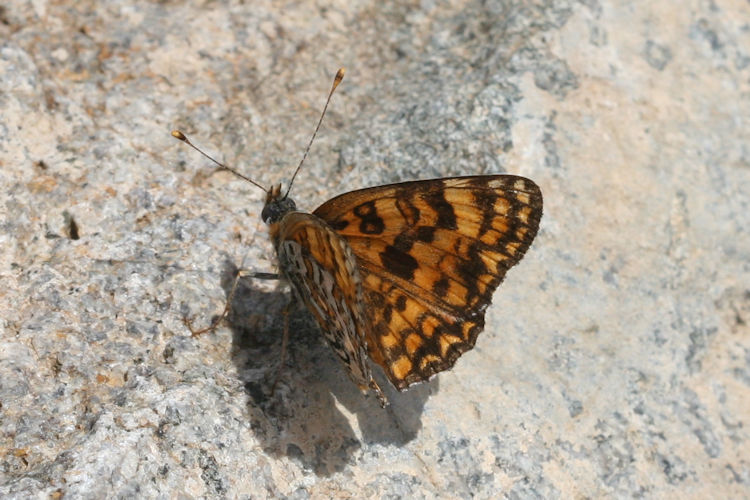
[[616, 357]]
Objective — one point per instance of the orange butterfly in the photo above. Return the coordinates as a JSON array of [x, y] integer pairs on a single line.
[[402, 273]]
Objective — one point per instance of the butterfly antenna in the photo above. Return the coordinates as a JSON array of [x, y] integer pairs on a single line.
[[179, 135], [337, 79]]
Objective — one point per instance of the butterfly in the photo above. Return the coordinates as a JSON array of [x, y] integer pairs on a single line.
[[402, 274]]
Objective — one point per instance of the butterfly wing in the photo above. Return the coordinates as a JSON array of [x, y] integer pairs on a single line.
[[323, 273], [430, 255]]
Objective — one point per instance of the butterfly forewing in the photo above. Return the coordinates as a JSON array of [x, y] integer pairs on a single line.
[[430, 254]]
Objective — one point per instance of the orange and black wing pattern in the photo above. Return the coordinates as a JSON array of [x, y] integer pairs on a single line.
[[430, 254]]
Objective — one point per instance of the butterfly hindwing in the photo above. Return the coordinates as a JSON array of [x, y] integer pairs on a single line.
[[324, 276], [430, 255]]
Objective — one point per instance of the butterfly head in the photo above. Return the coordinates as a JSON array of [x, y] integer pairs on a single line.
[[277, 205]]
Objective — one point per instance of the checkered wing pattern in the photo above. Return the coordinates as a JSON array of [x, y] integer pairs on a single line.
[[324, 275]]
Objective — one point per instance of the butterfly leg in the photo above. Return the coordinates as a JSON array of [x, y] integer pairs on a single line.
[[242, 273], [284, 342]]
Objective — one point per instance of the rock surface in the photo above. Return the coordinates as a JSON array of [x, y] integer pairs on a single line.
[[616, 358]]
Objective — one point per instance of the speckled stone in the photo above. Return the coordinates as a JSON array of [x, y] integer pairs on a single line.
[[616, 358]]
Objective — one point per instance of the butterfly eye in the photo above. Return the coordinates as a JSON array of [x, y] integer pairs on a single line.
[[266, 213]]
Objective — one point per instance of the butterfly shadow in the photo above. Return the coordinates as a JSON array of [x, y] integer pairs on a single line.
[[315, 415]]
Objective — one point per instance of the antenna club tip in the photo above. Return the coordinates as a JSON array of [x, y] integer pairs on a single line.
[[179, 135], [339, 77]]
